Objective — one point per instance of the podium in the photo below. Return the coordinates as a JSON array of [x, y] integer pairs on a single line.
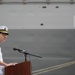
[[19, 69], [23, 68]]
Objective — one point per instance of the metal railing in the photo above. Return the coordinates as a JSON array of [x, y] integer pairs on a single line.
[[36, 1]]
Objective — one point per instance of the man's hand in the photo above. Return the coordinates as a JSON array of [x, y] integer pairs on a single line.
[[11, 64]]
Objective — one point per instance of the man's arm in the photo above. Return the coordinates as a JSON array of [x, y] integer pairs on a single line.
[[5, 64]]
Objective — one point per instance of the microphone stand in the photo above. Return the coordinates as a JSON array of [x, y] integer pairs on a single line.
[[26, 53]]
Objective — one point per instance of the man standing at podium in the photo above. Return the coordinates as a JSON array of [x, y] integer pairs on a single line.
[[3, 36]]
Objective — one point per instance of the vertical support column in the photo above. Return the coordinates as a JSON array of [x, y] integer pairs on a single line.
[[24, 2], [0, 1], [71, 1], [48, 1]]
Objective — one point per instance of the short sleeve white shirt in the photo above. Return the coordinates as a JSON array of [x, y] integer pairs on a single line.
[[1, 59]]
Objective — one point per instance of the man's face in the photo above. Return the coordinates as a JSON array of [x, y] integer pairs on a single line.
[[2, 37]]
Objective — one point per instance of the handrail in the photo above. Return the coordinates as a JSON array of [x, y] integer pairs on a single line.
[[36, 1]]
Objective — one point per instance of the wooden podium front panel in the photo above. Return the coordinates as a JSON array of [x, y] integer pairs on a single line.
[[23, 68], [19, 69], [10, 70]]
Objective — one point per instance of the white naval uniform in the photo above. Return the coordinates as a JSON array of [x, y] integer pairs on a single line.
[[1, 59]]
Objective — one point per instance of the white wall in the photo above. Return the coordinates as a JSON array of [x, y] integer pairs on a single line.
[[30, 16]]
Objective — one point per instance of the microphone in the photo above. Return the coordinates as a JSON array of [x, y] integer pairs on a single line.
[[16, 49], [25, 52]]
